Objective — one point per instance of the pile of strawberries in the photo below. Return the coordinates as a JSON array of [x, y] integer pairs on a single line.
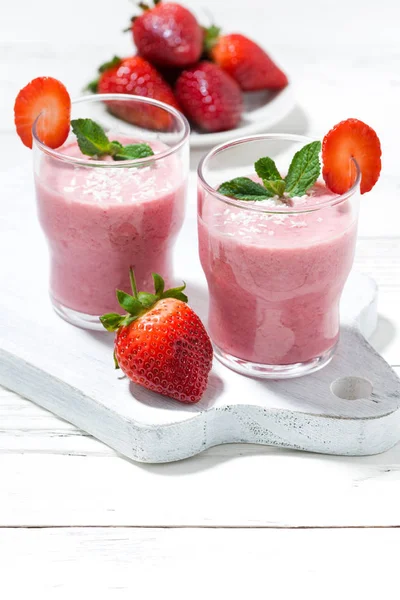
[[189, 67]]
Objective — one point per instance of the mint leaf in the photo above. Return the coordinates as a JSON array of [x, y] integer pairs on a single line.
[[133, 151], [243, 188], [275, 186], [304, 170], [93, 141], [266, 169], [91, 137], [115, 145]]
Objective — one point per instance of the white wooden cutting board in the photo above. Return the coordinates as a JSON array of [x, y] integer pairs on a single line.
[[351, 407]]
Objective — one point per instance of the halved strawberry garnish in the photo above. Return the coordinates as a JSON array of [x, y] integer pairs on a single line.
[[351, 139], [49, 98]]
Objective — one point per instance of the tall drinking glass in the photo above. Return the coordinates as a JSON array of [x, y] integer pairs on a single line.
[[101, 217], [275, 271]]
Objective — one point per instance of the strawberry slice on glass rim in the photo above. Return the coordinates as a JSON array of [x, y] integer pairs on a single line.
[[351, 139], [47, 98]]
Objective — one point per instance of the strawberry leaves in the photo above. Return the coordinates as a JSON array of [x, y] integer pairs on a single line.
[[147, 300], [114, 62], [303, 172], [138, 303], [111, 321], [93, 141], [158, 284], [211, 35], [129, 303], [176, 293]]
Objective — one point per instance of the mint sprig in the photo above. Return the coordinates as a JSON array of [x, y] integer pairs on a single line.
[[93, 141], [303, 172]]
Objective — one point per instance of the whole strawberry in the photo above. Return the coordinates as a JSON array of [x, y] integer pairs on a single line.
[[245, 61], [209, 97], [136, 76], [161, 344], [167, 34]]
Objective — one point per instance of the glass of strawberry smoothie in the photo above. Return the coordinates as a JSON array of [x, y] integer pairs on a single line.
[[275, 270], [101, 216]]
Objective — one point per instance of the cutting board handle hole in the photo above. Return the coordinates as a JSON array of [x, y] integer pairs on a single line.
[[352, 388]]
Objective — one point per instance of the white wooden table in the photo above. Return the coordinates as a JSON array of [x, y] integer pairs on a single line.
[[237, 521]]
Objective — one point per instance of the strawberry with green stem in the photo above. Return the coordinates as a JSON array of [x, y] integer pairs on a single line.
[[135, 75], [160, 343], [244, 60], [167, 34], [209, 97]]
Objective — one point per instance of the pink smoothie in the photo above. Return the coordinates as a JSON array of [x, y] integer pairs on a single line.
[[275, 280], [100, 221]]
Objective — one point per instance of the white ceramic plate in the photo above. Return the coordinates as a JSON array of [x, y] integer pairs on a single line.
[[262, 110]]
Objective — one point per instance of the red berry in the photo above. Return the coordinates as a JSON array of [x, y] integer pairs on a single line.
[[168, 35], [136, 76], [49, 98], [167, 351], [351, 139], [209, 97], [161, 344], [247, 63]]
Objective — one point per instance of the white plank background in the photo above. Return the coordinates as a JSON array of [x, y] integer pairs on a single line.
[[219, 563], [75, 518]]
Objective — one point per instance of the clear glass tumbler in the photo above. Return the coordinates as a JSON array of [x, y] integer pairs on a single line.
[[275, 271], [101, 217]]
